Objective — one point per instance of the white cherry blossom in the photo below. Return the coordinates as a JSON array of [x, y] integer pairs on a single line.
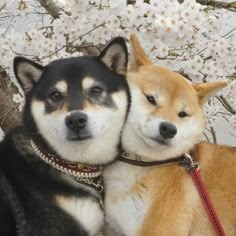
[[185, 37]]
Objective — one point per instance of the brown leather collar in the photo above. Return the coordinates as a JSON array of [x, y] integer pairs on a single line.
[[77, 170], [124, 155]]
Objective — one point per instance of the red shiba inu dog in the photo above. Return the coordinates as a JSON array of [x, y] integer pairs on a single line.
[[165, 121]]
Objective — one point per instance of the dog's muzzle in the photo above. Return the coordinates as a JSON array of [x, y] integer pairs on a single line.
[[76, 122]]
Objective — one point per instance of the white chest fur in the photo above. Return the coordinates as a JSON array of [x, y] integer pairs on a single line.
[[125, 206], [86, 211]]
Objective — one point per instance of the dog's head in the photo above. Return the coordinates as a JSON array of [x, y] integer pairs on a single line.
[[166, 116], [77, 106]]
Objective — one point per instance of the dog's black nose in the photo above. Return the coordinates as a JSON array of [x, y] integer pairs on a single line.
[[76, 121], [167, 130]]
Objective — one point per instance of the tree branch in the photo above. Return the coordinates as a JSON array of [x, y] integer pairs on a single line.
[[3, 6], [226, 105], [50, 7], [206, 137], [231, 6], [70, 43], [9, 115], [213, 133]]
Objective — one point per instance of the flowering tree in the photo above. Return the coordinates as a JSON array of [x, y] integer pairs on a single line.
[[184, 35]]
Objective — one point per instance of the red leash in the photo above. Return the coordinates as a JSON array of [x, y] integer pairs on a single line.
[[193, 168]]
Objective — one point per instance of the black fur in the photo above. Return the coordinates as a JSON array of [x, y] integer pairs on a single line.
[[27, 184]]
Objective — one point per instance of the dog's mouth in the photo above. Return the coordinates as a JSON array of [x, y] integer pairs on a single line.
[[80, 136], [160, 141]]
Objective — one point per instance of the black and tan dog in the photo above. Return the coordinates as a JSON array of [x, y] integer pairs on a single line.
[[50, 167]]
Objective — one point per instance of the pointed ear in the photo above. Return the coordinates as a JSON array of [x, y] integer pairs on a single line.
[[138, 56], [115, 56], [27, 73], [207, 90]]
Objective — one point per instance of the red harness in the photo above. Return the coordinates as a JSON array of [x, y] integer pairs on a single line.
[[193, 168]]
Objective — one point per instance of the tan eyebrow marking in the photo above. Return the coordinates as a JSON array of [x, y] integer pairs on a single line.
[[87, 82], [62, 87]]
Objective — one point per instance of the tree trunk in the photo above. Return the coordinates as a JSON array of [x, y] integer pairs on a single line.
[[10, 115]]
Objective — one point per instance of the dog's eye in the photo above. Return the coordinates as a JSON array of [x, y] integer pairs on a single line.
[[96, 91], [56, 96], [182, 114], [150, 99]]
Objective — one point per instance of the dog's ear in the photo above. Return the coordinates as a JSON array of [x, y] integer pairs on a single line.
[[138, 56], [27, 72], [115, 55], [207, 90]]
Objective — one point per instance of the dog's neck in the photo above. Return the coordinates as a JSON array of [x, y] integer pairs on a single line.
[[135, 146], [136, 160], [22, 143], [132, 143], [84, 174], [77, 170]]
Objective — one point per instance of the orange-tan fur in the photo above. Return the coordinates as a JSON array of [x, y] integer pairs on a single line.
[[164, 197], [176, 207]]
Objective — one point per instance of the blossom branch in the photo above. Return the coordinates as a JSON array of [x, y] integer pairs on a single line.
[[229, 32], [3, 6], [50, 7], [70, 43], [226, 104], [9, 115], [213, 133], [231, 6], [206, 137]]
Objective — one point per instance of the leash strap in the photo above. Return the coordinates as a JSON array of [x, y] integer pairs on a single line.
[[193, 169]]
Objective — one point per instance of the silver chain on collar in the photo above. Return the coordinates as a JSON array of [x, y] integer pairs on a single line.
[[95, 184]]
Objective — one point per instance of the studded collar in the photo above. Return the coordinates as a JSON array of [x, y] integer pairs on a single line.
[[77, 170]]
